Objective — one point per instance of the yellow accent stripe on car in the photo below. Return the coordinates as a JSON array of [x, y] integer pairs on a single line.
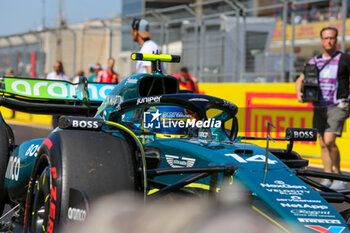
[[152, 191], [47, 197], [201, 186], [193, 185], [269, 218], [42, 226], [44, 178]]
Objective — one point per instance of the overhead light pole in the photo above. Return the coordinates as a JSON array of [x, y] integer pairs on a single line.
[[61, 23], [43, 16]]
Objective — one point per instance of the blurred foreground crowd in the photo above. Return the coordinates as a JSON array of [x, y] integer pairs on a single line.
[[306, 13]]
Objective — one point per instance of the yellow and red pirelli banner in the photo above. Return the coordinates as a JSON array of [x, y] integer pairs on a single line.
[[259, 104]]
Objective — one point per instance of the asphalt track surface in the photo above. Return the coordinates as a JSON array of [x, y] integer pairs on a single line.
[[26, 132]]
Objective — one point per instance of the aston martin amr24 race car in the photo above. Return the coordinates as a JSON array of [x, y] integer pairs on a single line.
[[149, 137]]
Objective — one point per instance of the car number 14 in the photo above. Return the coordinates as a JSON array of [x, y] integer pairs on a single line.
[[255, 158]]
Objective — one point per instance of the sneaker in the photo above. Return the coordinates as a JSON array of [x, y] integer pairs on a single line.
[[337, 185], [326, 182]]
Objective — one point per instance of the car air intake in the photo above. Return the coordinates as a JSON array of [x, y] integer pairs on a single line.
[[157, 85]]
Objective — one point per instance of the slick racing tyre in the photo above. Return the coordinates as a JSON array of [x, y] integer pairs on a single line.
[[6, 138], [73, 168]]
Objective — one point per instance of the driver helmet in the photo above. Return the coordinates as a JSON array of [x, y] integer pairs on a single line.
[[166, 121]]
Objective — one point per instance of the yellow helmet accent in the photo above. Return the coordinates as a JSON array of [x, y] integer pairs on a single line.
[[163, 135]]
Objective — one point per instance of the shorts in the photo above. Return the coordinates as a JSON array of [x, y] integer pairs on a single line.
[[331, 119]]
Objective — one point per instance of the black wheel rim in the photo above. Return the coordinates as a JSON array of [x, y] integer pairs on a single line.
[[41, 205]]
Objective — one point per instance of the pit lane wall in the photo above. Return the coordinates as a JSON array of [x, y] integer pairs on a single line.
[[275, 103], [16, 117]]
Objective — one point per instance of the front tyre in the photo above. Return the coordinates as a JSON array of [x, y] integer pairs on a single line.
[[74, 168], [41, 199]]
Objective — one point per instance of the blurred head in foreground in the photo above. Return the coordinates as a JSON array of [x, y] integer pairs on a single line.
[[128, 213]]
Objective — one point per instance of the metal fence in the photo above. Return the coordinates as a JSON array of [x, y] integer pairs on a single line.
[[219, 40], [246, 41]]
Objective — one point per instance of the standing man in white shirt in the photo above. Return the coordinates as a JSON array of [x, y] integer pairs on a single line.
[[140, 34], [58, 73]]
